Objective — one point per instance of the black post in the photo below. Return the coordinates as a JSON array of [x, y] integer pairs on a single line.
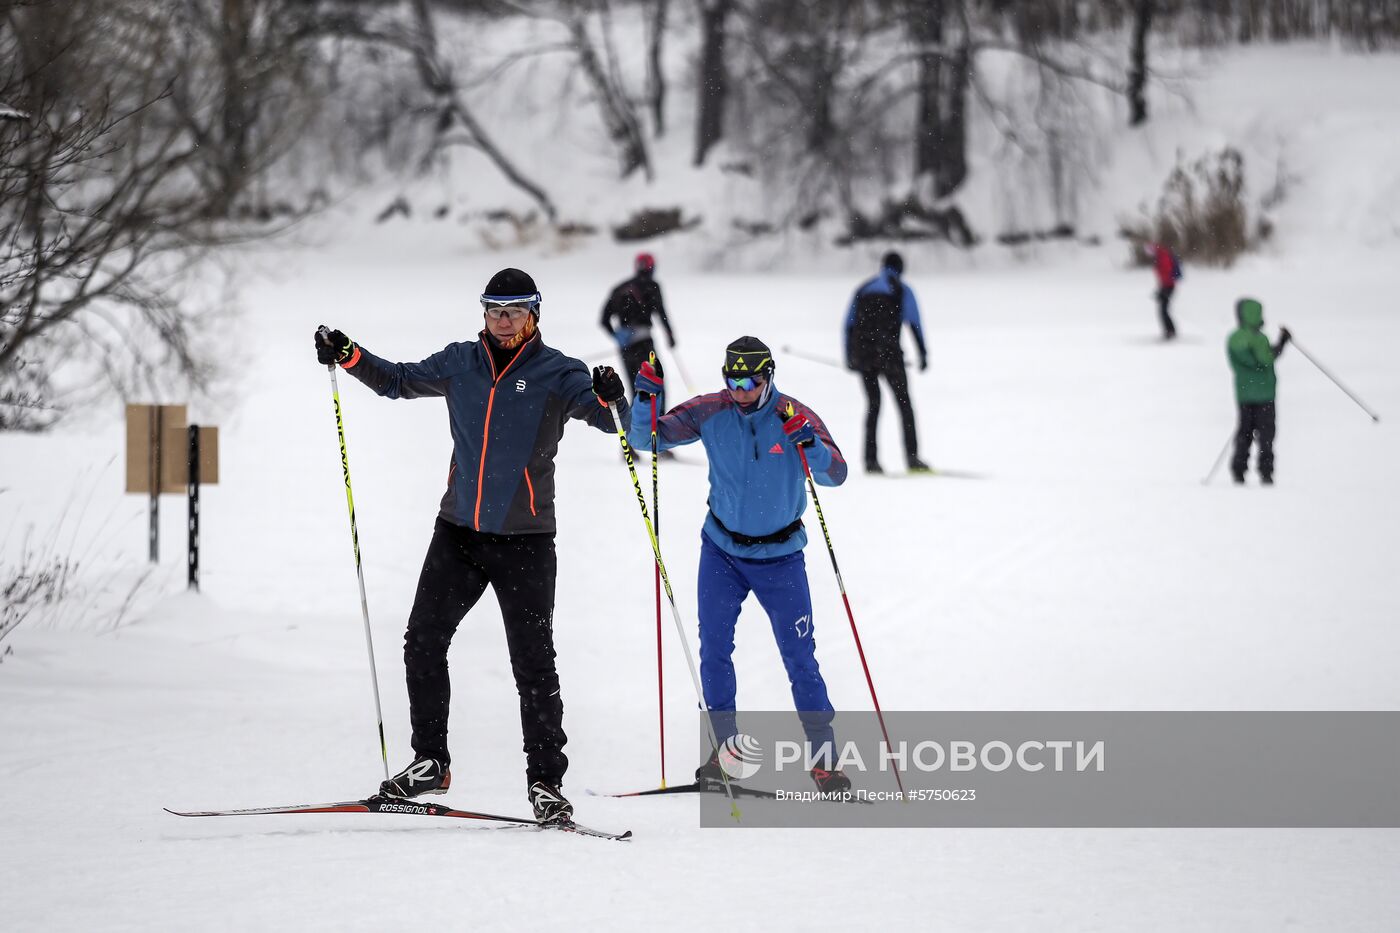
[[153, 535], [193, 490]]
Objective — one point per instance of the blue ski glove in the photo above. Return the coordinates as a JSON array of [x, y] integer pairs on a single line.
[[797, 428], [650, 380]]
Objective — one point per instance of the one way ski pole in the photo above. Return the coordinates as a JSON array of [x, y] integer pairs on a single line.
[[826, 533], [671, 598], [656, 581], [359, 570]]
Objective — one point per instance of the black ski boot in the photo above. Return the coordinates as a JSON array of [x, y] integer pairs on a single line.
[[918, 466], [710, 772], [550, 804], [424, 776], [831, 782]]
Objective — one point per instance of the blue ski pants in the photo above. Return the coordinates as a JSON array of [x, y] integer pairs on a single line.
[[780, 583]]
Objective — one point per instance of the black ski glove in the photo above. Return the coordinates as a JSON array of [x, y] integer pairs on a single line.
[[332, 346], [607, 385]]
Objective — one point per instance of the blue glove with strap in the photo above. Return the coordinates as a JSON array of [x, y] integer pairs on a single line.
[[650, 380], [798, 430]]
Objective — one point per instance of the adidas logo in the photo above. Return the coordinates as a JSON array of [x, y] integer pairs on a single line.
[[776, 449]]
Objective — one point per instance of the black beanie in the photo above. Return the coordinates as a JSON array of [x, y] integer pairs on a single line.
[[748, 356], [509, 283], [893, 261]]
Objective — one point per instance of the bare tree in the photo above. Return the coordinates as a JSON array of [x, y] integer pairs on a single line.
[[437, 77], [247, 86], [1137, 68], [712, 80], [619, 114], [656, 72], [942, 36], [98, 205]]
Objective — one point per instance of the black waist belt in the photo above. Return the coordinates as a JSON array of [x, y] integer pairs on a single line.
[[777, 537]]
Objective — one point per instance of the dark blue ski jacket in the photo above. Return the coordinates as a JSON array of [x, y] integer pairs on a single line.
[[505, 425], [757, 485]]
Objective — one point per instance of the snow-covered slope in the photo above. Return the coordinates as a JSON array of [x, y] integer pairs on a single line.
[[1087, 568]]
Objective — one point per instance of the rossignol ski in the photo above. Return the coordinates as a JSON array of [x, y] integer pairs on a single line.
[[409, 808]]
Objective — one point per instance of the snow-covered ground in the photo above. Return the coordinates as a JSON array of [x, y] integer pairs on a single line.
[[1087, 568]]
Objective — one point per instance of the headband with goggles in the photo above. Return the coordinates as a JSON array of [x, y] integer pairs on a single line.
[[530, 302]]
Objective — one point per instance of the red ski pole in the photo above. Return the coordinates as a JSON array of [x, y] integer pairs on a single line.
[[821, 519]]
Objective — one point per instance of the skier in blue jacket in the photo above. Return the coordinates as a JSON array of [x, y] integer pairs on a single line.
[[878, 313], [508, 399], [753, 537]]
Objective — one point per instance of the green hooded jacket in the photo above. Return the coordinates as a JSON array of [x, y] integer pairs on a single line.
[[1251, 357]]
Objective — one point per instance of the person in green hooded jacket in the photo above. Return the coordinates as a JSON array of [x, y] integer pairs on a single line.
[[1252, 358]]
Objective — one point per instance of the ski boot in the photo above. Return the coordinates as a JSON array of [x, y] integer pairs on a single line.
[[710, 773], [549, 803], [424, 776], [918, 466], [831, 782]]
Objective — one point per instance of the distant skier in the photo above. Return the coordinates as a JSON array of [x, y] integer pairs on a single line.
[[508, 399], [1252, 359], [1167, 267], [752, 539], [878, 312], [628, 312]]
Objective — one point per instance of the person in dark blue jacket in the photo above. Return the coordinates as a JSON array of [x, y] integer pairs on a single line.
[[508, 399], [753, 537], [879, 310]]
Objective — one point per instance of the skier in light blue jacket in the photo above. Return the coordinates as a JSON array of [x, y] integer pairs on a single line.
[[753, 537]]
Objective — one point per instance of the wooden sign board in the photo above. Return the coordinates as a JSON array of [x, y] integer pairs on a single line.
[[145, 461], [175, 454]]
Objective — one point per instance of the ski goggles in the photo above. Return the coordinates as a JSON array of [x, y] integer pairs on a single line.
[[743, 383], [513, 307]]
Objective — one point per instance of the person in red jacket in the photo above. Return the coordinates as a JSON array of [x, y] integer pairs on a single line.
[[1168, 269]]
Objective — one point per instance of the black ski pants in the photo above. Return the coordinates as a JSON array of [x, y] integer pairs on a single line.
[[898, 380], [1257, 420], [633, 356], [1164, 313], [521, 569]]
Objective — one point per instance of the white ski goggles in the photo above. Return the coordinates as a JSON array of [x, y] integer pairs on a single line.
[[510, 306]]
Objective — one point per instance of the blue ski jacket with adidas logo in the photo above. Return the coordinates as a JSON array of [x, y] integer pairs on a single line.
[[757, 486], [506, 425]]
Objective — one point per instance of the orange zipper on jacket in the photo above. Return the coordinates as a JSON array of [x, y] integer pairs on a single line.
[[486, 428], [530, 486]]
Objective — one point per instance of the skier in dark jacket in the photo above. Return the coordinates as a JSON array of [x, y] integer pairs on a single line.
[[628, 312], [508, 399], [753, 538], [878, 312], [1252, 359]]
